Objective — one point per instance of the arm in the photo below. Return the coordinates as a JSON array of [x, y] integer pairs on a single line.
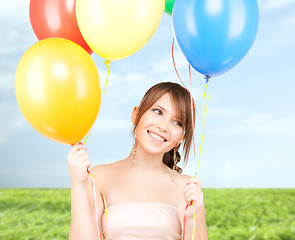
[[82, 224], [192, 193], [83, 220], [200, 228]]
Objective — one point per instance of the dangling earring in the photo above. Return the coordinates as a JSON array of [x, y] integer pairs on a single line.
[[173, 177], [134, 151], [174, 159]]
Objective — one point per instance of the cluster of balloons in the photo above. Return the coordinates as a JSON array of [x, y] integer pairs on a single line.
[[56, 83]]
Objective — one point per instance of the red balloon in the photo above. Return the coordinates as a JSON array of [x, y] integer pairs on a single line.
[[56, 18]]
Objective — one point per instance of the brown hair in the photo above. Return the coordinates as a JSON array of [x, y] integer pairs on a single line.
[[182, 102]]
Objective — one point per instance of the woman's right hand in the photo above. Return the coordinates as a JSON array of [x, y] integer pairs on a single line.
[[78, 162]]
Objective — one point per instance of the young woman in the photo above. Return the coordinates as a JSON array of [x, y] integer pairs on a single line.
[[146, 194]]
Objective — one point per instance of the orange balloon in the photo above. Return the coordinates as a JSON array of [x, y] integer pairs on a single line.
[[57, 89]]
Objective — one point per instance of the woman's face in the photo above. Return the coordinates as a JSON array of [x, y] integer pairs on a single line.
[[159, 129]]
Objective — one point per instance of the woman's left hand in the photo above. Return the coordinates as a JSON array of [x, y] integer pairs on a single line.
[[193, 197]]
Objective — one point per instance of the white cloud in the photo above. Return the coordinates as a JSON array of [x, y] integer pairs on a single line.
[[231, 170], [235, 170], [289, 21], [268, 5], [12, 122], [275, 32], [7, 85], [111, 125], [165, 64], [260, 126], [16, 33], [258, 118], [221, 112], [35, 175], [135, 77], [6, 6]]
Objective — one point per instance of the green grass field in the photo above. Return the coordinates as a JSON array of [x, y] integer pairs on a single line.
[[230, 214]]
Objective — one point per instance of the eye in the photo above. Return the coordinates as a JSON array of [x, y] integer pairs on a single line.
[[157, 111], [178, 123]]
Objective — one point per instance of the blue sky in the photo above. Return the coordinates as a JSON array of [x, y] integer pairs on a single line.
[[249, 135]]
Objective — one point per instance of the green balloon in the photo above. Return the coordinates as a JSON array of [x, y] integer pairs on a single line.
[[169, 6]]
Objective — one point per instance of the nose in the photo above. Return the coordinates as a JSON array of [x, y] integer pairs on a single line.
[[162, 125]]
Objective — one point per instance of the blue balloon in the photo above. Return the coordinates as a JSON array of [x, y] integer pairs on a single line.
[[214, 35]]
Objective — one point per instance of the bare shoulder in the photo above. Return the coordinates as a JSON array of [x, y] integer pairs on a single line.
[[101, 171], [102, 174], [183, 178], [104, 171]]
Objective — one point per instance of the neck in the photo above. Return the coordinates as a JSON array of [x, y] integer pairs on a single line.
[[146, 162]]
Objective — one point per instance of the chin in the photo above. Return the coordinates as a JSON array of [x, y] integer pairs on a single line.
[[154, 149]]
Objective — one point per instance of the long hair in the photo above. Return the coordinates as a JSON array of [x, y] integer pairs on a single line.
[[182, 102]]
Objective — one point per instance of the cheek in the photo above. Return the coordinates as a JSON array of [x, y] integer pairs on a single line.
[[178, 134], [144, 121]]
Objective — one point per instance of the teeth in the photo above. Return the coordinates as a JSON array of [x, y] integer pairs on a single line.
[[157, 137]]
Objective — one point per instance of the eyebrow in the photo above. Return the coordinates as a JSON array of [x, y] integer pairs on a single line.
[[178, 118], [161, 108]]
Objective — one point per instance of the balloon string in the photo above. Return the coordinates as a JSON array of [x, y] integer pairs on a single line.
[[107, 63], [178, 74], [95, 206], [204, 118], [193, 127], [175, 65], [106, 213], [194, 222], [184, 221], [86, 138], [191, 93]]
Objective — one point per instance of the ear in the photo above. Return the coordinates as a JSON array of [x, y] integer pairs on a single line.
[[134, 114]]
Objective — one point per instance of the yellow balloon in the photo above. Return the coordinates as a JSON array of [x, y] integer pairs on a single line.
[[115, 29], [57, 89]]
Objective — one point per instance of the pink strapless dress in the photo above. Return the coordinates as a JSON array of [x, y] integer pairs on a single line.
[[142, 220]]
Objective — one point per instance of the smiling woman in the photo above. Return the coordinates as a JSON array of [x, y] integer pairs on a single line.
[[146, 196], [169, 102]]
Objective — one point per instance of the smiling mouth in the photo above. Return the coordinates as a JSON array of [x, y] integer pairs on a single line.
[[157, 136]]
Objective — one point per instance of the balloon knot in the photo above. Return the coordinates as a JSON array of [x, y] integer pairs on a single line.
[[107, 63], [207, 79]]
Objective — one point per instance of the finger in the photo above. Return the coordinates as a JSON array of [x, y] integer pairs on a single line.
[[80, 155], [195, 198], [78, 147], [193, 180], [76, 144], [192, 186], [74, 149], [86, 164], [189, 192], [192, 199]]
